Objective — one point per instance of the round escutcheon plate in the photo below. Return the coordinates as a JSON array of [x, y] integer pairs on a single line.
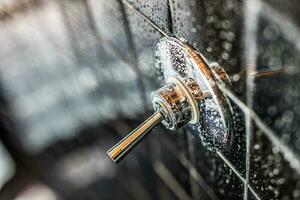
[[175, 58]]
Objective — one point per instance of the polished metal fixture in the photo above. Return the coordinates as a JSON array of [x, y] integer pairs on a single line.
[[189, 95]]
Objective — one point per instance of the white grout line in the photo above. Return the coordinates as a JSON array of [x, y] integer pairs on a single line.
[[129, 5], [239, 175], [288, 154], [253, 192], [252, 8], [231, 166]]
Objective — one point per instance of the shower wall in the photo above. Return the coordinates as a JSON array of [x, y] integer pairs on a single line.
[[76, 75]]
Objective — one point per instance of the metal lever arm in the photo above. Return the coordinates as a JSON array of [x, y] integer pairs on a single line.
[[122, 148]]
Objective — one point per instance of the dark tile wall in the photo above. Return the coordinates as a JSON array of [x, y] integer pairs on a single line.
[[237, 154], [218, 175], [271, 176], [218, 32], [114, 41]]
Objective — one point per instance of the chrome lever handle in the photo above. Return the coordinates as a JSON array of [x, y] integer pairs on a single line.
[[175, 104], [122, 148]]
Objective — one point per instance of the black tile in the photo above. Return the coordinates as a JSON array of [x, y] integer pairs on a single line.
[[277, 96], [271, 176], [186, 21], [214, 27]]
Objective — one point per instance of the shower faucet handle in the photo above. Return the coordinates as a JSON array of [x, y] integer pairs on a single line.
[[191, 92], [122, 148], [175, 104]]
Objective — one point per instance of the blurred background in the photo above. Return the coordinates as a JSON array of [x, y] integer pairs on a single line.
[[76, 76]]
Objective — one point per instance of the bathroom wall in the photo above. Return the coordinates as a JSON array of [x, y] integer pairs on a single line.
[[77, 75]]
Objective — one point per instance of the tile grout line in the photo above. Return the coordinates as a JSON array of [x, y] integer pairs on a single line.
[[170, 9], [149, 21], [197, 176], [288, 154], [251, 9], [221, 155], [185, 162], [253, 192]]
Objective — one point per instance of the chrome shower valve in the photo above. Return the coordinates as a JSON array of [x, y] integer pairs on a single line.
[[175, 104], [189, 95]]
